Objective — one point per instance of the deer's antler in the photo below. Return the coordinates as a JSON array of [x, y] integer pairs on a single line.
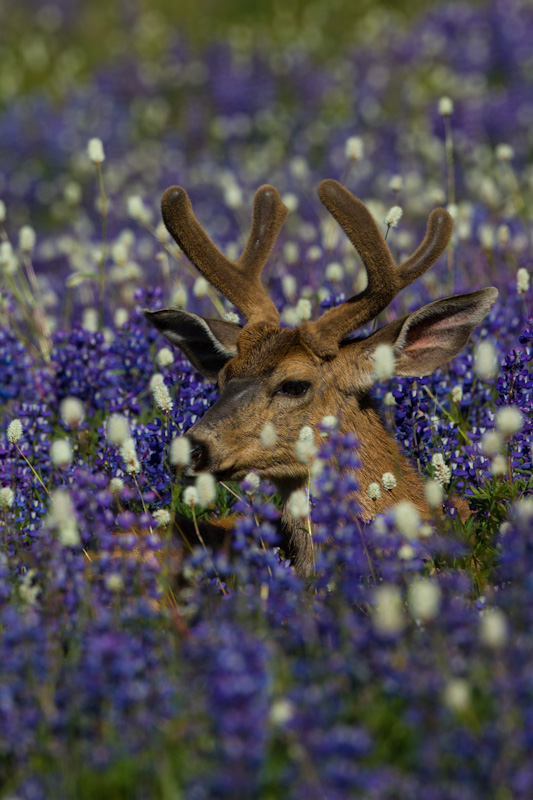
[[239, 281], [385, 278]]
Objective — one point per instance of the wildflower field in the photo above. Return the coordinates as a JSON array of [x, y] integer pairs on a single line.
[[133, 665]]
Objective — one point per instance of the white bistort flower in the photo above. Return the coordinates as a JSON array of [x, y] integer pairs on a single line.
[[299, 504], [393, 217], [374, 492], [14, 431], [165, 357], [200, 288], [493, 628], [384, 362], [388, 613], [162, 517], [441, 471], [491, 444], [433, 494], [457, 694], [95, 151], [206, 489], [522, 280], [504, 152], [180, 451], [118, 429], [268, 435], [116, 485], [509, 420], [354, 148], [27, 239], [60, 453], [128, 451], [457, 394], [423, 598], [407, 518], [388, 481], [160, 393], [72, 412], [61, 516], [190, 497], [445, 107], [7, 497], [486, 361]]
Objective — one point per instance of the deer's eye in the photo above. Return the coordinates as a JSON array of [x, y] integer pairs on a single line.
[[293, 388]]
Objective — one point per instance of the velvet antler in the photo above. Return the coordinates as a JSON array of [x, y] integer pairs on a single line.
[[239, 281], [385, 278]]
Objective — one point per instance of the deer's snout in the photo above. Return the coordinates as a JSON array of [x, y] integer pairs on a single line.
[[199, 455]]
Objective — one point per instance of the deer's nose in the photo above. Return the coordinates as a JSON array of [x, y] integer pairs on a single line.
[[199, 456]]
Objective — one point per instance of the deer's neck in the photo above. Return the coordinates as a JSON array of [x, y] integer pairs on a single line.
[[379, 453]]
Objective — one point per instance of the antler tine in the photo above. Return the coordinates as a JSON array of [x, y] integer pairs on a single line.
[[385, 278], [239, 281]]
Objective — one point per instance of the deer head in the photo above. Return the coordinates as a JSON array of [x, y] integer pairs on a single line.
[[293, 378]]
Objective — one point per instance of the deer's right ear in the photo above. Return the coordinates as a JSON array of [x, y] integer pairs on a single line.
[[207, 343]]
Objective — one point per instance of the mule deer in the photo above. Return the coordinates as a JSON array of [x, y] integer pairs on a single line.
[[293, 378]]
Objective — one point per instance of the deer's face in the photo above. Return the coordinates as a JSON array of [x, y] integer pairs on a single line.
[[274, 379]]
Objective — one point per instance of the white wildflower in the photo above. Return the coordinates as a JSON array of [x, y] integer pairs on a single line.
[[522, 280], [190, 496], [89, 321], [268, 435], [120, 317], [7, 497], [118, 429], [388, 612], [354, 149], [116, 485], [406, 552], [291, 254], [491, 444], [231, 316], [504, 152], [201, 287], [161, 233], [509, 420], [330, 422], [233, 195], [162, 517], [299, 504], [457, 394], [14, 431], [406, 518], [26, 239], [95, 151], [72, 412], [374, 492], [180, 451], [61, 516], [393, 217], [396, 183], [289, 286], [60, 453], [442, 473], [457, 695], [433, 493], [253, 481], [128, 451], [160, 393], [29, 591], [290, 200], [493, 628], [206, 488], [423, 598], [445, 107], [281, 712], [388, 481], [114, 582], [334, 272], [303, 309], [8, 260], [179, 298], [137, 209], [389, 400], [498, 467], [384, 362]]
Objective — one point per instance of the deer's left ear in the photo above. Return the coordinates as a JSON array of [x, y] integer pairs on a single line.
[[427, 338], [207, 343]]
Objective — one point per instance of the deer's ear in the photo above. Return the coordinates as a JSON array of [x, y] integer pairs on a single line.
[[436, 333], [207, 343]]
